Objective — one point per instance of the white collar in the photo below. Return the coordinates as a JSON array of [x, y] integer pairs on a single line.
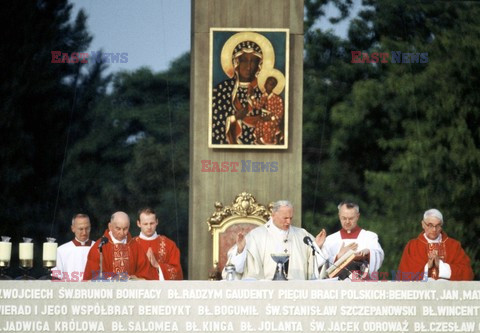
[[283, 233], [152, 237], [83, 243], [437, 240], [116, 241]]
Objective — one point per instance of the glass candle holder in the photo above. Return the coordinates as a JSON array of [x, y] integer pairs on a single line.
[[25, 253], [49, 253], [5, 256]]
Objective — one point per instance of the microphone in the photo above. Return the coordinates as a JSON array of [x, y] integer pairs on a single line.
[[307, 240], [103, 241]]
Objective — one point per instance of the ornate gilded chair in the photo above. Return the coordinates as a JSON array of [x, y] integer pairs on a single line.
[[226, 222]]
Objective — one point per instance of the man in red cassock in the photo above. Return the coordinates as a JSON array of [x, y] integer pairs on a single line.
[[161, 251], [123, 258], [435, 254]]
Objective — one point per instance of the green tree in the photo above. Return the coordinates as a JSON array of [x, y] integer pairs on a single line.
[[135, 153], [37, 97], [432, 153], [397, 138], [328, 79]]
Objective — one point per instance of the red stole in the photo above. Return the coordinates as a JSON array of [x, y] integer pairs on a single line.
[[441, 251], [415, 257], [128, 259], [167, 255]]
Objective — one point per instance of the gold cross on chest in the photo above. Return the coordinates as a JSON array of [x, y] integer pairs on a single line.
[[122, 260], [121, 256]]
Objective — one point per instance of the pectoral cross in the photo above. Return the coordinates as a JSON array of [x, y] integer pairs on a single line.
[[121, 261], [121, 258]]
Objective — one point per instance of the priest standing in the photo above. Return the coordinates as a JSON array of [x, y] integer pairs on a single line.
[[251, 255], [123, 258], [362, 242], [434, 254], [72, 256], [161, 251]]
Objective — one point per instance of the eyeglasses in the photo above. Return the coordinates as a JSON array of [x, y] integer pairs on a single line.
[[431, 226]]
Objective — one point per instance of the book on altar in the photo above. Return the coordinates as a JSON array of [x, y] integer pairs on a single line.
[[340, 264]]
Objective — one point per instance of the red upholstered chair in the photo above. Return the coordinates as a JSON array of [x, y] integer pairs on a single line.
[[227, 221]]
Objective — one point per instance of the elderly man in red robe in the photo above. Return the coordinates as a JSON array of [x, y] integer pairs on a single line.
[[123, 258], [435, 254], [161, 251]]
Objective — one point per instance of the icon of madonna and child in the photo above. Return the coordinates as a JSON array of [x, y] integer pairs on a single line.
[[248, 90]]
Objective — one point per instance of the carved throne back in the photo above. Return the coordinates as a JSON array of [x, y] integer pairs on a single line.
[[243, 215]]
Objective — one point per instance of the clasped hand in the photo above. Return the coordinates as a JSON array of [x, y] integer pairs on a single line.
[[151, 258], [433, 259]]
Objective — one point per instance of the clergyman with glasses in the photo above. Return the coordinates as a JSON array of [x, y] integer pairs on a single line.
[[434, 254]]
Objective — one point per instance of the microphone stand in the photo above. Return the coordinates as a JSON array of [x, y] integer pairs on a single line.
[[100, 248], [309, 242], [100, 272], [315, 264]]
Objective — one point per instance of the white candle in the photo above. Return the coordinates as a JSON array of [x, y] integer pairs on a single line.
[[49, 251], [25, 251], [5, 251]]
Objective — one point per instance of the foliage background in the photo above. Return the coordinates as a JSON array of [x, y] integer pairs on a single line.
[[396, 138]]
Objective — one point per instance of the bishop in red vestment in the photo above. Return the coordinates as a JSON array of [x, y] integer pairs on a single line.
[[122, 257], [162, 252], [435, 254]]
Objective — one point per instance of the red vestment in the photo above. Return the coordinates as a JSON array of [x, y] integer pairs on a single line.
[[415, 257], [119, 260], [167, 255]]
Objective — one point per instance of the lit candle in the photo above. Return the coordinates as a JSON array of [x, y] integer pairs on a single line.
[[5, 249], [50, 250]]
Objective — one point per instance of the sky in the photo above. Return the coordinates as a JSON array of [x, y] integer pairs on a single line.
[[152, 32]]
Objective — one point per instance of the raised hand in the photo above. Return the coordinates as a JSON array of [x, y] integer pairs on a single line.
[[344, 249], [320, 238], [241, 242]]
